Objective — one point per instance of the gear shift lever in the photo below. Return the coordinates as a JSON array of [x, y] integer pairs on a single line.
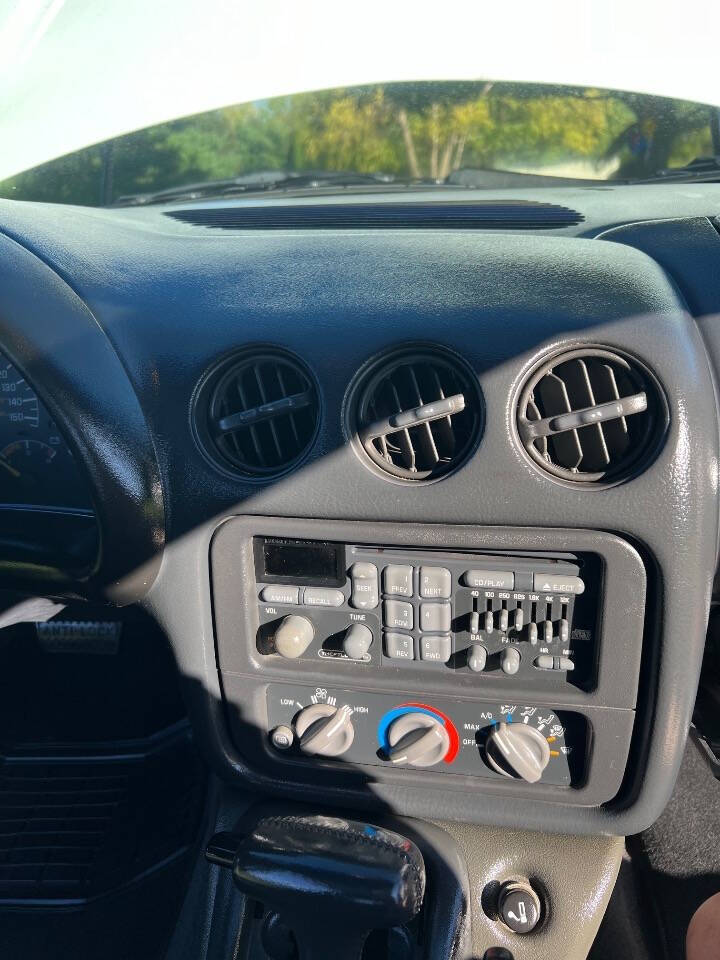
[[331, 880]]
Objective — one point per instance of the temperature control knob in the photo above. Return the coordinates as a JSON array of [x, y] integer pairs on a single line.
[[417, 739], [324, 730], [293, 636], [517, 750]]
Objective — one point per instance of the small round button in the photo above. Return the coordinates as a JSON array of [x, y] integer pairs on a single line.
[[519, 907], [282, 737]]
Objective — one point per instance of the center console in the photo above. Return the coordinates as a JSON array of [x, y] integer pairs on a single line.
[[498, 660]]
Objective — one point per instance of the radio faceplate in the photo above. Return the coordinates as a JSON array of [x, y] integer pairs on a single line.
[[528, 617]]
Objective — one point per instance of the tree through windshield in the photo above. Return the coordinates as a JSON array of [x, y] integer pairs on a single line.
[[410, 132]]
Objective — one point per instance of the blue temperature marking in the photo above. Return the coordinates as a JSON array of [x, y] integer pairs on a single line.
[[393, 715]]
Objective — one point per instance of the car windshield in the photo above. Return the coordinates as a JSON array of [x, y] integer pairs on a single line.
[[391, 136]]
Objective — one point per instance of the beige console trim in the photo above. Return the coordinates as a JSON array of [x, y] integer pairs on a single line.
[[577, 875]]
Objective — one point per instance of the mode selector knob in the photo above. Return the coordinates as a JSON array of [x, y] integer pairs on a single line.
[[324, 730], [417, 739], [293, 636], [517, 750]]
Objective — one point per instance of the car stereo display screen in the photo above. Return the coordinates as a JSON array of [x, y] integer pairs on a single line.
[[301, 560]]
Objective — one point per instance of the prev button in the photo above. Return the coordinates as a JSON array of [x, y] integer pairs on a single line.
[[398, 580]]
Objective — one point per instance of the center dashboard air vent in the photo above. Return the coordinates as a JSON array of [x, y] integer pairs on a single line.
[[256, 414], [416, 413], [592, 416]]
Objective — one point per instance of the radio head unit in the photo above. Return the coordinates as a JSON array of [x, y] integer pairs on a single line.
[[506, 615]]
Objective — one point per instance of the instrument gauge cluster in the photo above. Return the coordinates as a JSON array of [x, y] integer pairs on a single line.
[[37, 467]]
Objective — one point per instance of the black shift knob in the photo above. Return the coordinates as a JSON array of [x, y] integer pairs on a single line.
[[331, 880]]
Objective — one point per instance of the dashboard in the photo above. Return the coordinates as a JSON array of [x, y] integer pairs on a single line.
[[429, 516]]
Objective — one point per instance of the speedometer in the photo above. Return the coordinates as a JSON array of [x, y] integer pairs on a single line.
[[18, 401], [36, 465]]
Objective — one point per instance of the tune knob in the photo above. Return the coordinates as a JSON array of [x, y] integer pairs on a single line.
[[293, 636], [417, 739], [517, 750], [357, 641], [324, 730]]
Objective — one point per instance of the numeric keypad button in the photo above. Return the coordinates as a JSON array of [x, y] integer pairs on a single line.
[[398, 580], [435, 583]]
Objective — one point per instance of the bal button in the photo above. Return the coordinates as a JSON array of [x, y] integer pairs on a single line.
[[519, 907]]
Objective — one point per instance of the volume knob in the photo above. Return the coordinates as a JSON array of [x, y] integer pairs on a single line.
[[417, 739], [517, 750], [293, 636]]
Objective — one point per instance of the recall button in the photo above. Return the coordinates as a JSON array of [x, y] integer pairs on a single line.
[[323, 597]]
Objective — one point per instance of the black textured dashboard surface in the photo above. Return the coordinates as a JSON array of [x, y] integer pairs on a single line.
[[171, 301]]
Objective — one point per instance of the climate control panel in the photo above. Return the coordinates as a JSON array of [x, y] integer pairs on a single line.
[[494, 740], [499, 616]]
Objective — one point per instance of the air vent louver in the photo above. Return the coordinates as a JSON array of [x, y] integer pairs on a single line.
[[256, 415], [591, 416], [417, 414], [438, 215]]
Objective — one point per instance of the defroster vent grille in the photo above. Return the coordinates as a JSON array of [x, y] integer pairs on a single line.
[[256, 415], [417, 413], [406, 215], [592, 415]]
